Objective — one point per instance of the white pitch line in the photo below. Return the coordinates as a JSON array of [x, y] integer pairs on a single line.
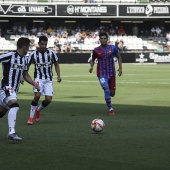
[[95, 75], [163, 83], [78, 81], [121, 80], [71, 81], [78, 76], [148, 79]]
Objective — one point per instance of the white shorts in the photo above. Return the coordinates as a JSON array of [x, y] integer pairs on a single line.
[[46, 87], [4, 100]]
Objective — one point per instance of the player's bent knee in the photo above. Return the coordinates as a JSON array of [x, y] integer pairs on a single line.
[[14, 105], [33, 103]]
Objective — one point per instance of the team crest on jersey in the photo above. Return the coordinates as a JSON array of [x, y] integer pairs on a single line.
[[110, 51]]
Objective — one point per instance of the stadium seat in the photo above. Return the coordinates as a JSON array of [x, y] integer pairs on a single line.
[[112, 1], [99, 1], [128, 1], [12, 37], [76, 1], [51, 42], [60, 1], [76, 46], [116, 1], [32, 1], [72, 39]]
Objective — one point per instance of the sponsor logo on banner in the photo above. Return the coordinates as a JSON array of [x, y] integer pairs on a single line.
[[86, 10], [141, 58], [144, 10], [5, 8], [27, 9], [159, 57]]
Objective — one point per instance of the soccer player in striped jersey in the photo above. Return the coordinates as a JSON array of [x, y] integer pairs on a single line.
[[43, 60], [106, 71], [14, 67]]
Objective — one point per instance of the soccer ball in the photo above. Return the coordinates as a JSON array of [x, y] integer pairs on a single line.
[[97, 125]]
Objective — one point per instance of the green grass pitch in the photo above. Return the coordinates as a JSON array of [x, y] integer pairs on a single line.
[[136, 138]]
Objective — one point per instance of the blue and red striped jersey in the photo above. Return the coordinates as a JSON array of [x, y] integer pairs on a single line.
[[105, 57]]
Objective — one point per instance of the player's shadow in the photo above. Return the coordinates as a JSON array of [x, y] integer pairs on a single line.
[[69, 114], [96, 109]]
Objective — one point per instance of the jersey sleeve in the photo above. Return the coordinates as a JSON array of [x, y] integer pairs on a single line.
[[54, 57], [4, 58], [30, 58]]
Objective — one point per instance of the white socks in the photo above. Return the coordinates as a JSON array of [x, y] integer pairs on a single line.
[[40, 107], [12, 115], [32, 111]]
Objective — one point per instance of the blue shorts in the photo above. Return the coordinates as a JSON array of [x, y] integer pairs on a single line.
[[108, 82]]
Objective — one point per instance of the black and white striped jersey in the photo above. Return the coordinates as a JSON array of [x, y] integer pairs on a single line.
[[13, 66], [43, 62]]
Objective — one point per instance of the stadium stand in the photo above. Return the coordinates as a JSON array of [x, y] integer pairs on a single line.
[[87, 42], [131, 42]]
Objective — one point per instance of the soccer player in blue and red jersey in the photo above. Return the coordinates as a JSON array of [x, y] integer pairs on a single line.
[[106, 71]]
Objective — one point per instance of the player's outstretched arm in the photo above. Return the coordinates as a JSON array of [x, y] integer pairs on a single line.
[[29, 80]]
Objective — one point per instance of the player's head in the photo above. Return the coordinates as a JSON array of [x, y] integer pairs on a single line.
[[103, 37], [23, 45], [103, 34], [23, 42], [43, 40]]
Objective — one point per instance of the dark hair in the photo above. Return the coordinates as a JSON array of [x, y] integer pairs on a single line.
[[103, 34], [22, 42], [43, 38]]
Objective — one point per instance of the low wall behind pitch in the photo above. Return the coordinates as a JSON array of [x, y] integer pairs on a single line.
[[126, 57]]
